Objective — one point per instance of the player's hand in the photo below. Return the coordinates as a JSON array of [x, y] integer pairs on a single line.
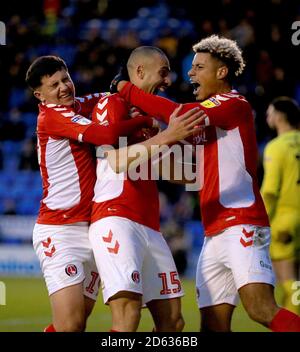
[[182, 126], [121, 76]]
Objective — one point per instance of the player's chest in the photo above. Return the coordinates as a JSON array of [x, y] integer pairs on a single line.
[[205, 136]]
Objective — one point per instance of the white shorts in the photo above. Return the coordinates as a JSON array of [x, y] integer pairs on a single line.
[[234, 258], [133, 257], [66, 257]]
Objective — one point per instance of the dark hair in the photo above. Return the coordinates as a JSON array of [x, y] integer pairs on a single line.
[[290, 108], [43, 66]]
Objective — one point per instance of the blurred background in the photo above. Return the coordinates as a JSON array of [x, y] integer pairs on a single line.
[[94, 37]]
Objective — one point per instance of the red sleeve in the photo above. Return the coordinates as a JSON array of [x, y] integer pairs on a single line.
[[225, 110], [113, 112], [87, 103], [98, 135], [61, 121], [153, 105], [110, 110]]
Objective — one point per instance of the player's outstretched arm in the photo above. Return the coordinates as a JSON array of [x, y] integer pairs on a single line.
[[180, 127]]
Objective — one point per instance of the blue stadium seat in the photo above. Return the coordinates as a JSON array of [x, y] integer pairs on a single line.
[[27, 206], [29, 119], [11, 154], [143, 12], [11, 148], [17, 97], [136, 24]]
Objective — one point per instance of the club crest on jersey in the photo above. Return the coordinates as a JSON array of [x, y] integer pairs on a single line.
[[81, 120], [210, 103], [200, 138], [71, 269], [135, 276]]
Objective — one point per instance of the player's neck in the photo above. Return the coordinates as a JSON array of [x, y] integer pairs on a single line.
[[224, 88], [284, 128]]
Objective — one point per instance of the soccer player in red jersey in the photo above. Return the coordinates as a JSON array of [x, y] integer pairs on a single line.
[[234, 260], [67, 166], [134, 261]]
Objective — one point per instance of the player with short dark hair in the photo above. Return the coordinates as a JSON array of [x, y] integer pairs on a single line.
[[281, 193], [67, 167], [234, 260], [133, 258], [43, 66]]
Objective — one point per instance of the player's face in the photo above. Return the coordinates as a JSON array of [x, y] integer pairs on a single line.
[[157, 75], [271, 117], [56, 89], [206, 76]]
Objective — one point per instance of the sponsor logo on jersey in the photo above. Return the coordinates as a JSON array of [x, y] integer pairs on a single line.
[[210, 103], [71, 269], [265, 265], [135, 276], [81, 120]]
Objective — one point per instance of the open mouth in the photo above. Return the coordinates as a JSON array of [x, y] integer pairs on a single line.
[[196, 87]]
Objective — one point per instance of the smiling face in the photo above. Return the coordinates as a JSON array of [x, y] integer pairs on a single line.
[[208, 76], [56, 89], [151, 73]]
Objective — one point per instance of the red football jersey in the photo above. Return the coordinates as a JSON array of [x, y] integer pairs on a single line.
[[67, 166], [118, 195], [230, 193]]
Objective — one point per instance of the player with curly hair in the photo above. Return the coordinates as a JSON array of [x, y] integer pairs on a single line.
[[234, 261]]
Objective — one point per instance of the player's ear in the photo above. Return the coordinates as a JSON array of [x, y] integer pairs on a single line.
[[140, 71], [222, 72], [38, 95]]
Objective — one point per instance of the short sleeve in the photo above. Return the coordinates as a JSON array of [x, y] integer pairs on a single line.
[[110, 110], [61, 121]]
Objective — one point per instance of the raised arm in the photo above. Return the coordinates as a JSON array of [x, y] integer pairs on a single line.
[[217, 108]]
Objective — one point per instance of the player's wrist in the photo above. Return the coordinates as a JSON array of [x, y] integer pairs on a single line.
[[165, 138]]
